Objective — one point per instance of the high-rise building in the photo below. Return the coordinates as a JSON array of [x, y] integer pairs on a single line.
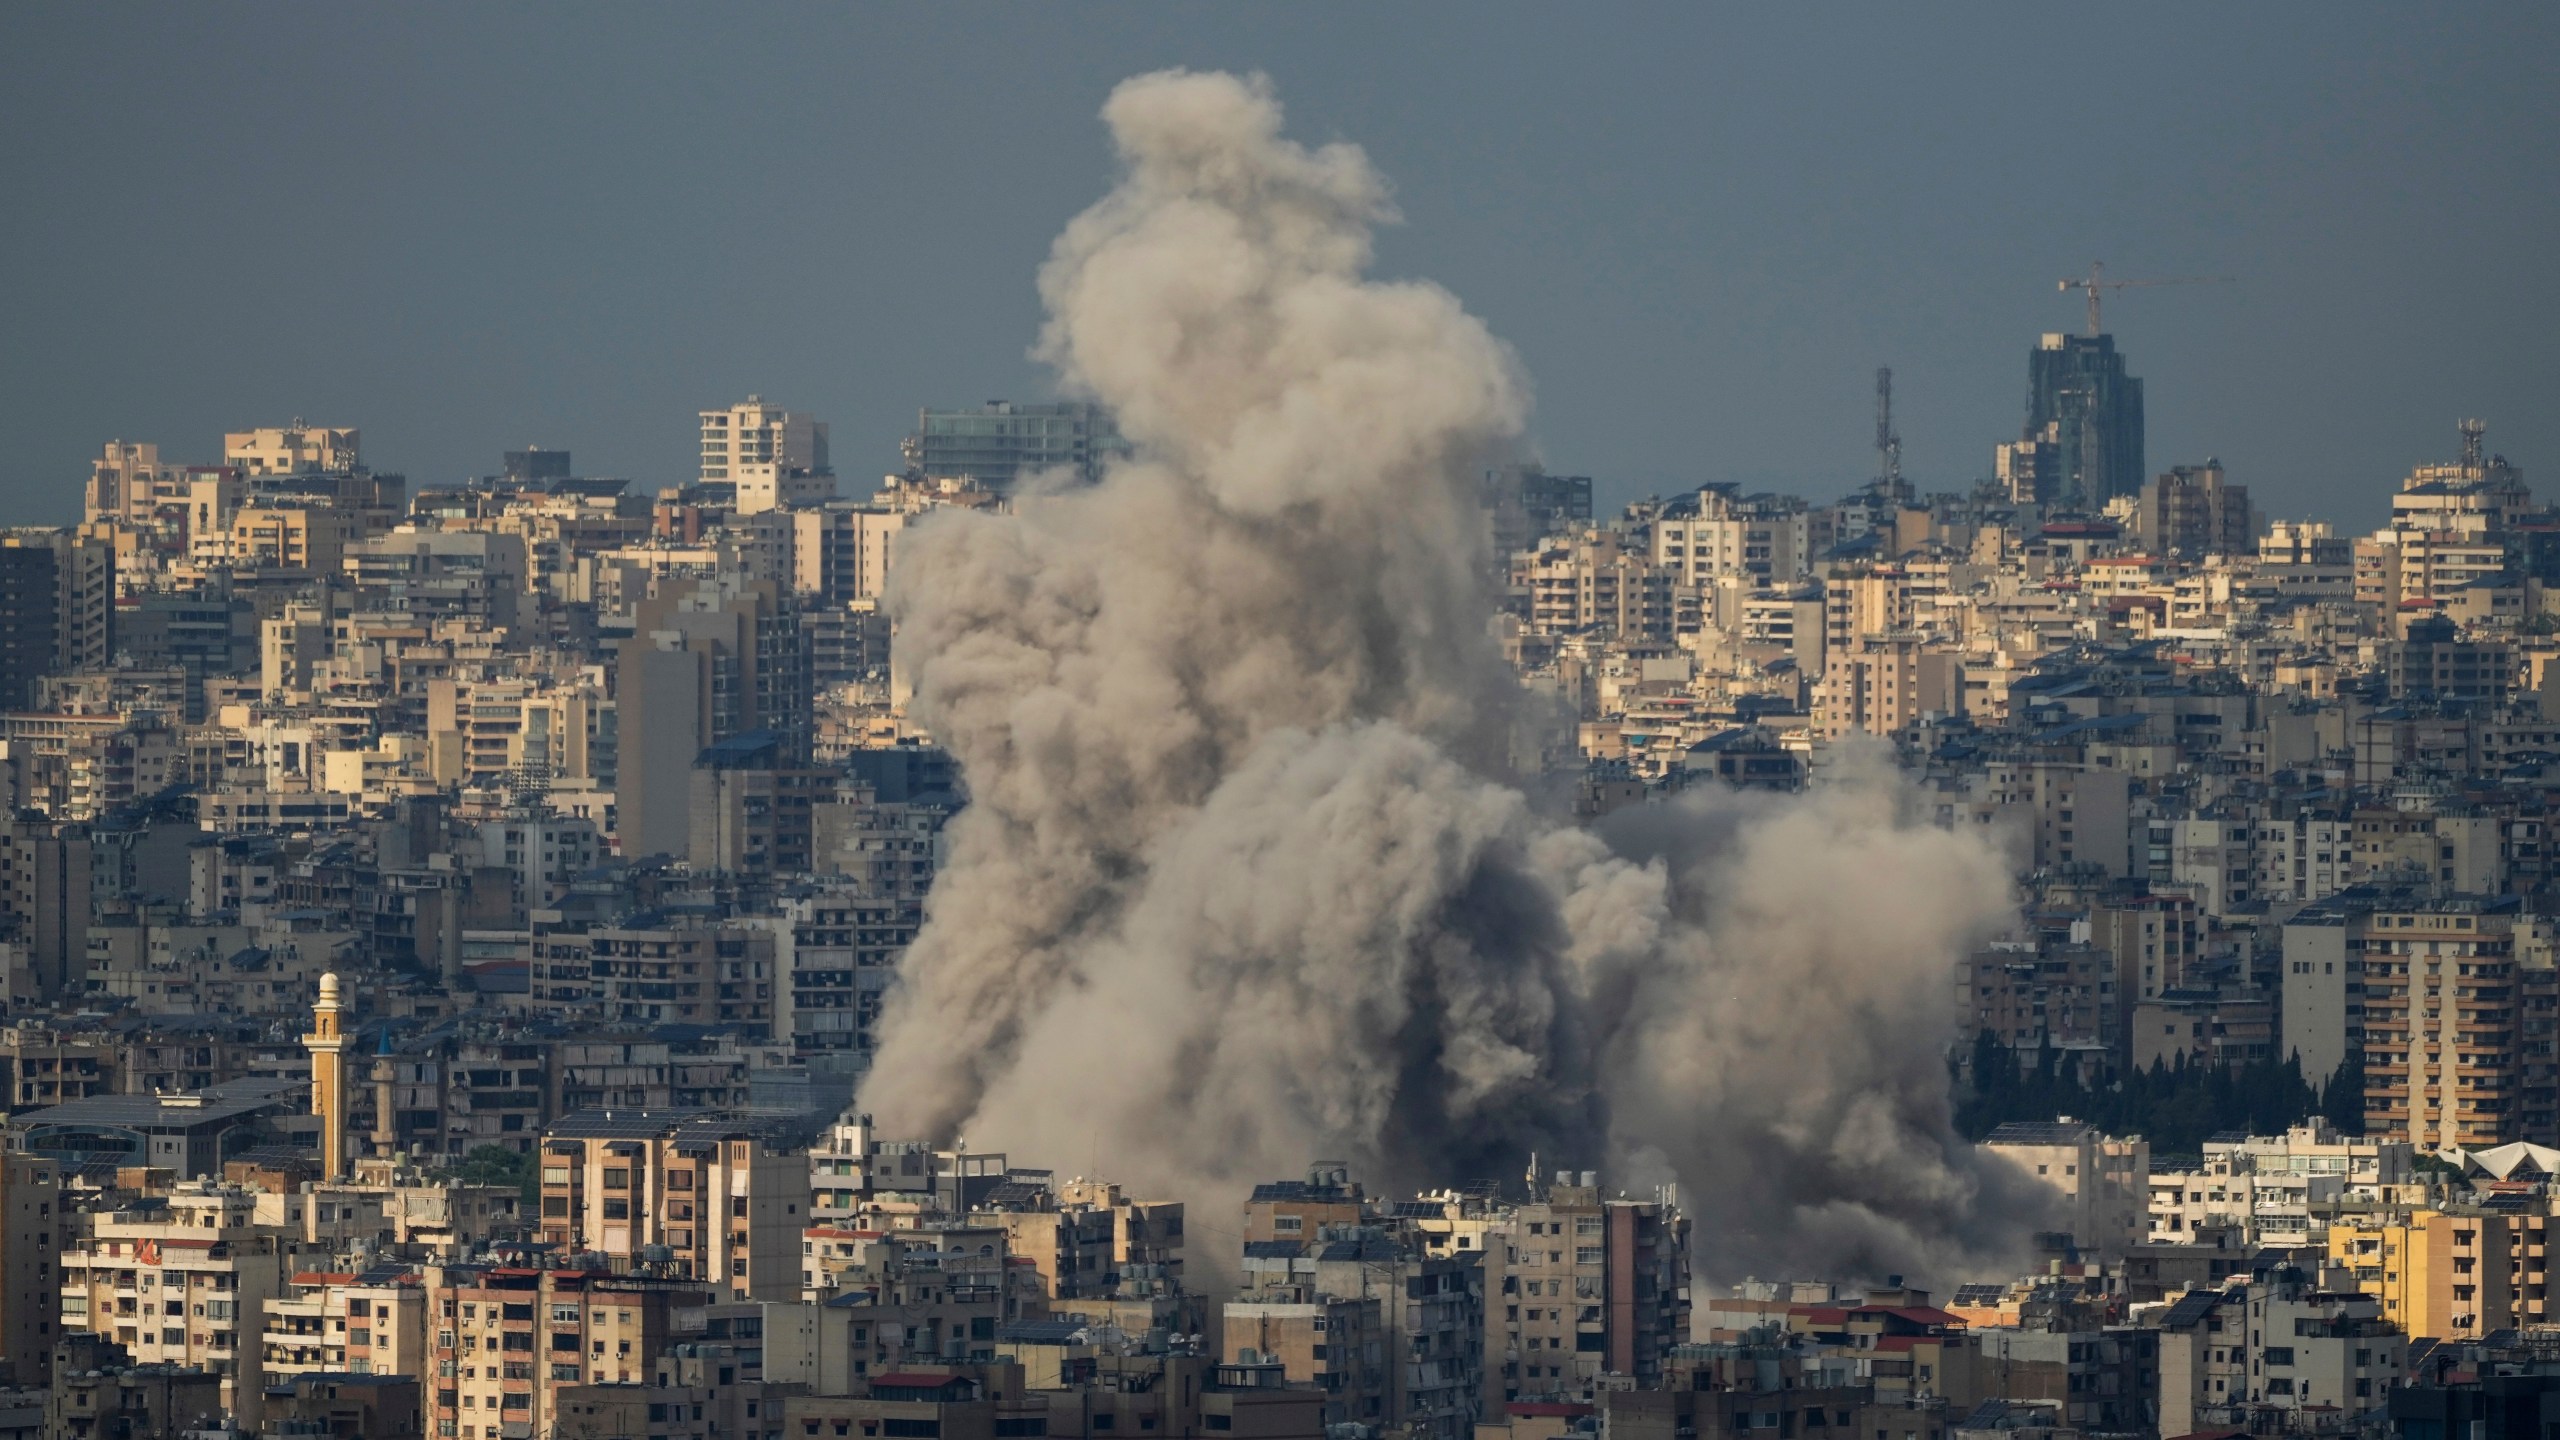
[[130, 483], [1524, 504], [2191, 510], [535, 464], [33, 1233], [703, 664], [1577, 1287], [695, 1196], [773, 458], [508, 1342], [840, 553], [2029, 468], [2449, 1058], [2078, 385], [1002, 444], [57, 608], [208, 1267]]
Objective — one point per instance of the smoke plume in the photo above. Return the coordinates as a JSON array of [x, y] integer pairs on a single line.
[[1244, 880]]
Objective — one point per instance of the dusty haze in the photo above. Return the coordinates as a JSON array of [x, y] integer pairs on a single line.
[[1244, 881]]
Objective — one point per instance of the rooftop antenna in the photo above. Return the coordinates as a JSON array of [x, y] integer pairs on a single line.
[[1888, 444], [2096, 282], [2472, 431]]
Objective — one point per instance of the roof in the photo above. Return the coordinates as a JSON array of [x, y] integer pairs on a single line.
[[917, 1380], [1273, 1249], [144, 1112], [621, 1124], [2190, 1309], [2039, 1132], [1301, 1190], [1040, 1332], [1916, 1314]]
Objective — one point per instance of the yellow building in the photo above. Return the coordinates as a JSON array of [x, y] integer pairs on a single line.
[[2437, 1275], [291, 537]]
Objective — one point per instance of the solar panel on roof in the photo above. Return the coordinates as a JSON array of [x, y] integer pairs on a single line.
[[2190, 1309]]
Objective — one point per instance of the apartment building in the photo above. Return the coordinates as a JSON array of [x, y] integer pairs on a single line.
[[1883, 686], [1331, 1343], [840, 553], [1431, 1308], [34, 1229], [509, 1341], [775, 458], [683, 1193], [346, 1323], [183, 1282], [283, 535], [293, 449], [2105, 1181], [2446, 1048], [2445, 1276], [1576, 1288]]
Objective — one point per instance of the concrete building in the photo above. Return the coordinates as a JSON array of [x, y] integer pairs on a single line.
[[704, 664], [1577, 1287], [840, 552], [1525, 504], [1331, 1343], [686, 1193], [2105, 1181], [2191, 510], [510, 1342], [1002, 445], [293, 449], [343, 1323], [2445, 1276], [2445, 1002], [103, 1395], [182, 1282], [189, 1135], [772, 457], [34, 1228], [57, 608]]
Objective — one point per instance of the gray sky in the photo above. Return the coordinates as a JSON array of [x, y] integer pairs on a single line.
[[467, 227]]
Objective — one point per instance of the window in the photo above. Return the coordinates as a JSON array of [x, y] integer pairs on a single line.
[[617, 1177]]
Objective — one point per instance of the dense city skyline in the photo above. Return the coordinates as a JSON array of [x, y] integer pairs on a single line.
[[1702, 233], [1456, 820]]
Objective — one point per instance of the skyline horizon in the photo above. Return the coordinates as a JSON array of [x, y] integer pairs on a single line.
[[1700, 233]]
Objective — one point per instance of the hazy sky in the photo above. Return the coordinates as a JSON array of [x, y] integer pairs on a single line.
[[465, 228]]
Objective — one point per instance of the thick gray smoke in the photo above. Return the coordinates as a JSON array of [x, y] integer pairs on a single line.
[[1243, 881]]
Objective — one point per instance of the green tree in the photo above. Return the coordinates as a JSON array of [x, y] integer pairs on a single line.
[[498, 1165]]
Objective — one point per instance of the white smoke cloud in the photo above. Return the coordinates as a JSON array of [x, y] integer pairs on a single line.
[[1242, 882]]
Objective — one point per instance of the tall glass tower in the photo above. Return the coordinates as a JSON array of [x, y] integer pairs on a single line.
[[2077, 384]]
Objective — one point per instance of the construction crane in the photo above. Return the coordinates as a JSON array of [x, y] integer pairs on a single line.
[[1888, 444], [2096, 281]]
